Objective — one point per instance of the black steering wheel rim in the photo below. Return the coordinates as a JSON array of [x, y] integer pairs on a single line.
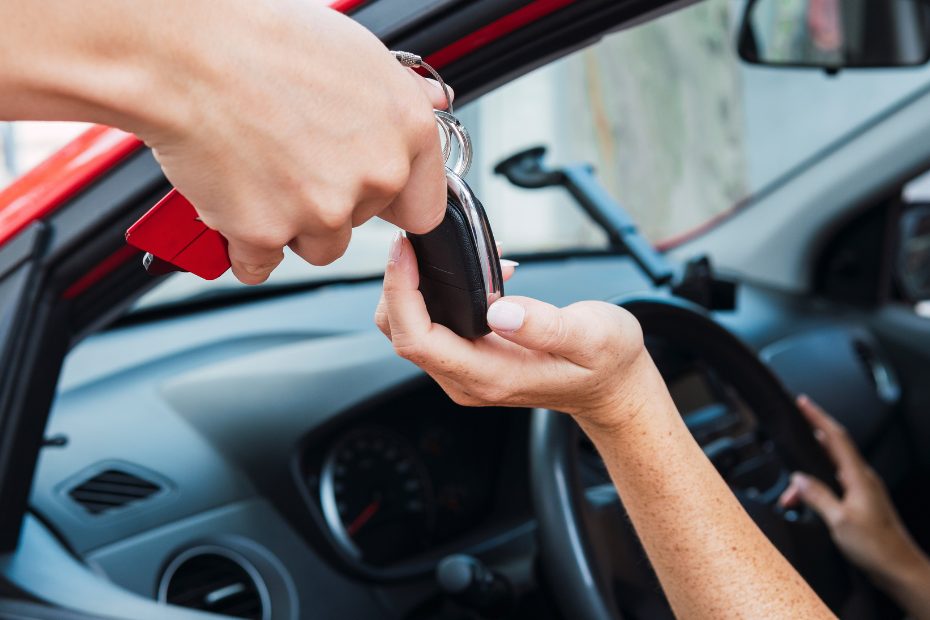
[[581, 590]]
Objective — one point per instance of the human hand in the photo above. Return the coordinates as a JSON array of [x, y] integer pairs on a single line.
[[581, 359], [863, 522], [287, 124]]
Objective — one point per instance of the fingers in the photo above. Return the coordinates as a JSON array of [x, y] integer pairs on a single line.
[[433, 90], [251, 263], [322, 249], [790, 497], [414, 336], [569, 332], [814, 494], [508, 268], [421, 204], [835, 440]]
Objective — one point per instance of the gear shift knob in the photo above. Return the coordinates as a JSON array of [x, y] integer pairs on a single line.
[[469, 582]]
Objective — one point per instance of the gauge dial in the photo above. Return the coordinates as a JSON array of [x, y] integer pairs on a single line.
[[377, 497]]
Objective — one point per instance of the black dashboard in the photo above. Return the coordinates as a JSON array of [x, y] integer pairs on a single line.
[[287, 442], [398, 486]]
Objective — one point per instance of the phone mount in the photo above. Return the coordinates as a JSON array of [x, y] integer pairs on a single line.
[[697, 282]]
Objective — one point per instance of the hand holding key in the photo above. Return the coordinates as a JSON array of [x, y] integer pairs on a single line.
[[275, 146], [460, 271]]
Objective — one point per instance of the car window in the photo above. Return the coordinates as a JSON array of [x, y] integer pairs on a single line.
[[25, 144], [679, 130]]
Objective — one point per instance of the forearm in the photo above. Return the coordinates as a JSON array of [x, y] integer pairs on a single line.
[[710, 557], [124, 63]]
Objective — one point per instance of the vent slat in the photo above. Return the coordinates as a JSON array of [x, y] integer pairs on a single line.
[[197, 578], [112, 489], [137, 485], [115, 490]]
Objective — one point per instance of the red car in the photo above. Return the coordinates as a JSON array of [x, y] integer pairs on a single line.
[[171, 448]]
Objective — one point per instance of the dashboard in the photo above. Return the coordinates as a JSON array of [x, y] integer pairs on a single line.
[[396, 488], [287, 443]]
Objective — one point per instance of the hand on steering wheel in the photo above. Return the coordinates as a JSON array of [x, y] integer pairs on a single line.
[[863, 521]]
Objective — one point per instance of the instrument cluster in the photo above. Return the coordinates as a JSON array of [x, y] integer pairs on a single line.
[[416, 477]]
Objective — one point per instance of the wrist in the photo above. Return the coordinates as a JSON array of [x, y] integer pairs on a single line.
[[905, 569], [637, 392]]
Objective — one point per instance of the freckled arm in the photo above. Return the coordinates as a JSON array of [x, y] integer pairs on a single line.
[[711, 558]]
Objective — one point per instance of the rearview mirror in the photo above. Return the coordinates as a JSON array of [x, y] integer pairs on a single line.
[[913, 263], [835, 34]]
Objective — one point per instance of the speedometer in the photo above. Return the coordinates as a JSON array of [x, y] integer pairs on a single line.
[[376, 497]]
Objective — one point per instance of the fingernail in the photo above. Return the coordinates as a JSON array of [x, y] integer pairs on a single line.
[[819, 435], [439, 87], [397, 247], [802, 399], [505, 262], [506, 316], [800, 481]]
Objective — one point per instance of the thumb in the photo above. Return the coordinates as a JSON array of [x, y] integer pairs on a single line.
[[569, 332], [818, 496]]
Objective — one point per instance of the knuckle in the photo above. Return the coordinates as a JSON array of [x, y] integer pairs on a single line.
[[494, 394], [461, 398], [265, 237], [627, 330], [419, 116], [247, 277], [323, 250], [497, 392], [410, 350], [840, 519], [381, 319], [326, 255], [333, 217], [257, 269], [390, 177], [555, 331]]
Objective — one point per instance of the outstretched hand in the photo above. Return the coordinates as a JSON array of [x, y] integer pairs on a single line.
[[578, 359]]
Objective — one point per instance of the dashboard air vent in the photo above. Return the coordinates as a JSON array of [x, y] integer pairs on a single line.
[[112, 489], [216, 581]]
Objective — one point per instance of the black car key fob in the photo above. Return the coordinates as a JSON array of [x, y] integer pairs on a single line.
[[460, 272]]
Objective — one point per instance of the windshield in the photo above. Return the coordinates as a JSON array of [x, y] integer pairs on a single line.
[[678, 128]]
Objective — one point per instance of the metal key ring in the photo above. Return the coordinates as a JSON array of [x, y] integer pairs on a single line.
[[448, 125], [446, 140], [409, 59], [464, 152]]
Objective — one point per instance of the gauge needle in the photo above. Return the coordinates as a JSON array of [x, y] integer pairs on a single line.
[[364, 517]]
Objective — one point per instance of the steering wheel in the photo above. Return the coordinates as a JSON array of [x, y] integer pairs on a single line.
[[590, 555]]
